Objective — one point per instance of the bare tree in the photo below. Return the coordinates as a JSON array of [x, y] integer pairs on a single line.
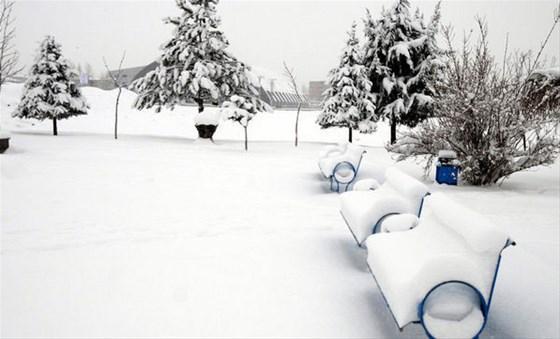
[[498, 120], [545, 42], [116, 81], [289, 74], [8, 54]]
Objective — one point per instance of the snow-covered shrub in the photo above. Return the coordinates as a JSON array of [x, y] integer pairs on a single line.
[[194, 64], [542, 91], [242, 109], [403, 62], [50, 91], [485, 114], [349, 102]]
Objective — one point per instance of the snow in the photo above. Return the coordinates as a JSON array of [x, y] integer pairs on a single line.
[[552, 73], [399, 193], [453, 311], [208, 117], [333, 150], [407, 265], [398, 223], [366, 185], [408, 187], [352, 155], [156, 235], [477, 231], [449, 154], [453, 301]]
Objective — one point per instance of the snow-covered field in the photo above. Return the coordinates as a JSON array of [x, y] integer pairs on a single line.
[[158, 234]]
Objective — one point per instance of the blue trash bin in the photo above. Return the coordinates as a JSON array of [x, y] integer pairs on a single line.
[[447, 168]]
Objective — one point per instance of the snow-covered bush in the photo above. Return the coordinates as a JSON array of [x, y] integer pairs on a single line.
[[349, 102], [194, 63], [484, 114], [50, 91], [542, 91], [242, 109], [403, 62]]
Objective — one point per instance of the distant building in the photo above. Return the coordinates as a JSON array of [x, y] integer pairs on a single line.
[[316, 91], [128, 75], [277, 91], [17, 79]]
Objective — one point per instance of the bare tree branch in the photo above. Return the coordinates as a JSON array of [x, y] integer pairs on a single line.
[[116, 80], [545, 42], [289, 74], [8, 55]]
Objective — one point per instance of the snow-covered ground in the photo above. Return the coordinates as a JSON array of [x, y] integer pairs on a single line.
[[158, 234]]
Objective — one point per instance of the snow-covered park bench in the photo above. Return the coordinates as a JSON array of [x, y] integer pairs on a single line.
[[340, 164], [365, 212], [441, 273]]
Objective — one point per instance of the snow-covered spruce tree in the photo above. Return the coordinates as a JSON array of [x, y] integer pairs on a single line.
[[194, 65], [50, 91], [404, 62], [349, 102], [241, 109], [482, 112]]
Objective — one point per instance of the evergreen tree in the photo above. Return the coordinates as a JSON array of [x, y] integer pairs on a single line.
[[194, 64], [404, 63], [349, 102], [50, 91]]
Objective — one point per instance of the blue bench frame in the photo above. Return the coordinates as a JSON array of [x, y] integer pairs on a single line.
[[354, 170], [485, 306]]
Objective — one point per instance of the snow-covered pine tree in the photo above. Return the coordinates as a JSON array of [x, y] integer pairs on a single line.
[[194, 65], [404, 62], [50, 91], [349, 102]]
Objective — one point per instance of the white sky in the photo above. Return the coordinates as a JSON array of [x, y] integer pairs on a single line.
[[308, 35]]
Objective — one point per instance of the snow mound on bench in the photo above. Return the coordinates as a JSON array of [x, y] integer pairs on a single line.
[[362, 210], [398, 223], [366, 185], [352, 154], [411, 189], [477, 230], [453, 311], [407, 265], [333, 150]]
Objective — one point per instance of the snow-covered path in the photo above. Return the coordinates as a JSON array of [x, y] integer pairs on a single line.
[[170, 237], [195, 239]]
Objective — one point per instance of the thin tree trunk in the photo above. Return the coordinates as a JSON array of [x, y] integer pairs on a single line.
[[200, 103], [246, 142], [350, 134], [297, 124], [55, 129], [117, 112], [393, 131]]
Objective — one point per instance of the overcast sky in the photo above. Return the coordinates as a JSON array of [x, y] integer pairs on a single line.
[[308, 35]]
